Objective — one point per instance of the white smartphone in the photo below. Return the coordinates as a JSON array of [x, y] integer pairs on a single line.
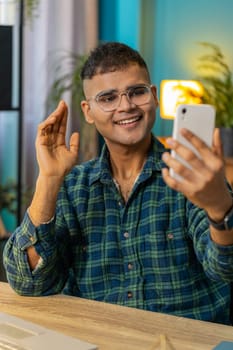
[[200, 119]]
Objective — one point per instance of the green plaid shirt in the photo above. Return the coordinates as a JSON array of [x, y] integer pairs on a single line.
[[153, 253]]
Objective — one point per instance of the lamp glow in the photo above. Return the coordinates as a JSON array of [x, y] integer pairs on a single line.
[[176, 92]]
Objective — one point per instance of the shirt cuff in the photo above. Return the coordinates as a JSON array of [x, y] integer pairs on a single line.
[[42, 223], [29, 235]]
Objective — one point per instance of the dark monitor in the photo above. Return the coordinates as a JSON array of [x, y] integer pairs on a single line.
[[6, 67]]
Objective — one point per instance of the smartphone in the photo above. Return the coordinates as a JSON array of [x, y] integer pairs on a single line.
[[200, 119]]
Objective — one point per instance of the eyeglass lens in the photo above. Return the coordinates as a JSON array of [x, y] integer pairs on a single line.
[[137, 95]]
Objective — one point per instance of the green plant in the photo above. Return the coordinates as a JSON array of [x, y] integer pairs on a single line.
[[8, 196], [67, 70], [216, 77], [31, 7]]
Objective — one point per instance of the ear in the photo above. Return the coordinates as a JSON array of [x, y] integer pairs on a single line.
[[87, 112], [154, 93]]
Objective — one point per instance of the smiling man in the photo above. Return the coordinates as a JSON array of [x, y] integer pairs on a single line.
[[118, 228]]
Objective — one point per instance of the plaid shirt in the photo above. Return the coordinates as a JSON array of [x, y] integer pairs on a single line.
[[153, 252]]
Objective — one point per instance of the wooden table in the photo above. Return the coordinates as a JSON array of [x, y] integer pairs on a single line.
[[113, 327]]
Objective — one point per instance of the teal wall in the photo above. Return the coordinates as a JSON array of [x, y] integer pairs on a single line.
[[119, 20], [9, 159], [167, 33]]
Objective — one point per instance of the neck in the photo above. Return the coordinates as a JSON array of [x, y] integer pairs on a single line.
[[127, 163], [126, 169]]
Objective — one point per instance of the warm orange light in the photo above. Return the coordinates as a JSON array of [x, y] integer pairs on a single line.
[[175, 92]]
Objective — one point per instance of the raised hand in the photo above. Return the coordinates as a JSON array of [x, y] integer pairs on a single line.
[[55, 160], [53, 156]]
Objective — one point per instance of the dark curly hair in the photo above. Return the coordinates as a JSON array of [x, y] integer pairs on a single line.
[[109, 57]]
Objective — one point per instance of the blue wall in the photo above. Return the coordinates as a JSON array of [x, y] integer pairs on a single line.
[[9, 158], [167, 33], [119, 20]]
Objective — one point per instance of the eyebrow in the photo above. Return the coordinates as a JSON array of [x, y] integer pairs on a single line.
[[106, 92]]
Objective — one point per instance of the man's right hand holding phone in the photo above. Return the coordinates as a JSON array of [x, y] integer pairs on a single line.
[[204, 183]]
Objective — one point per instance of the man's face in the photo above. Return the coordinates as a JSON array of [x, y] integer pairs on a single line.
[[128, 124]]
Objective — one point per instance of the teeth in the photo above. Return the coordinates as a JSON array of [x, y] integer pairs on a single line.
[[128, 121]]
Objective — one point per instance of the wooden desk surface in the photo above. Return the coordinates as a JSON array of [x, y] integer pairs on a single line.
[[113, 327]]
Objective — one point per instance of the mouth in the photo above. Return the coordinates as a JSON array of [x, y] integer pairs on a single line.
[[129, 120]]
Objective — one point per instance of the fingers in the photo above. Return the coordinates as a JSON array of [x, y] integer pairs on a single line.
[[201, 146], [200, 170], [171, 182], [217, 143], [200, 152], [74, 144], [55, 121], [196, 160], [183, 160], [61, 114], [196, 142], [54, 127], [182, 170]]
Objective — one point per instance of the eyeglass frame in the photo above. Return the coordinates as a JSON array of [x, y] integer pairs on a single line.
[[120, 94]]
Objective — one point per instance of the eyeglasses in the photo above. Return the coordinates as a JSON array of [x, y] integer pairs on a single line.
[[110, 100]]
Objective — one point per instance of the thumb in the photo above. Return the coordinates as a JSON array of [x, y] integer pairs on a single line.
[[217, 143], [74, 144]]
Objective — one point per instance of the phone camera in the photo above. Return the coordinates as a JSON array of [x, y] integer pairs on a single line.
[[184, 110]]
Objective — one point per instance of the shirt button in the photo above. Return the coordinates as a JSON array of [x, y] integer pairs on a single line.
[[170, 236], [32, 239], [130, 266], [129, 295], [126, 234]]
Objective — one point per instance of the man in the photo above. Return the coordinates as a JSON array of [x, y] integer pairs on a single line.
[[118, 228]]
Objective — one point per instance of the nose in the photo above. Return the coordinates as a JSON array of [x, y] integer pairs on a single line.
[[125, 102]]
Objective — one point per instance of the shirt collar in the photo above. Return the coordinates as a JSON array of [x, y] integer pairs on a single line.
[[154, 163]]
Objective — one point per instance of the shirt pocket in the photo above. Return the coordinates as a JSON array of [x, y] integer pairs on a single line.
[[169, 249]]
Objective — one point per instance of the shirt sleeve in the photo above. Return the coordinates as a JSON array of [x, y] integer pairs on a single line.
[[217, 260], [53, 253]]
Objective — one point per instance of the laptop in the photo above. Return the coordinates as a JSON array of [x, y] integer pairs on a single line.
[[17, 334]]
